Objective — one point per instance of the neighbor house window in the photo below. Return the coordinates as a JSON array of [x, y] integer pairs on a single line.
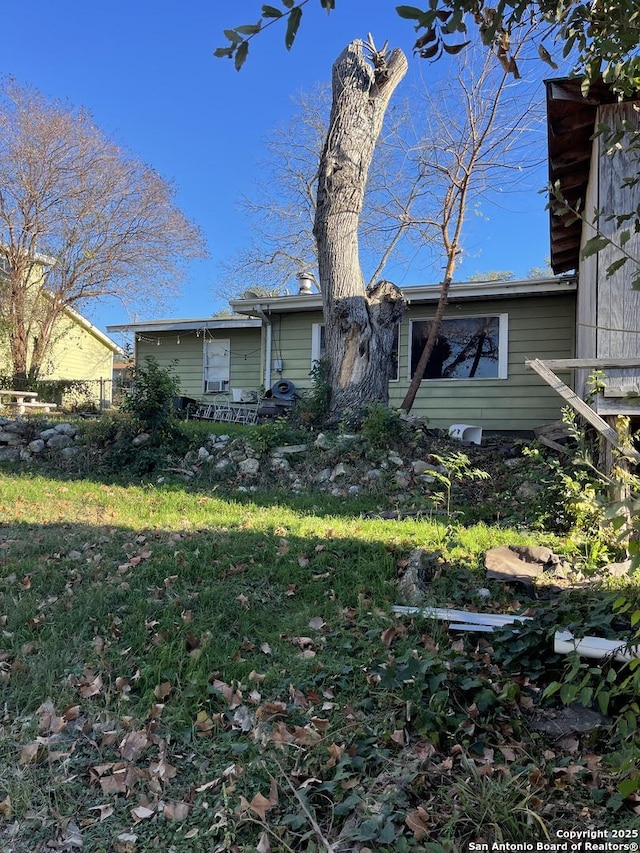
[[318, 346], [466, 348], [217, 358]]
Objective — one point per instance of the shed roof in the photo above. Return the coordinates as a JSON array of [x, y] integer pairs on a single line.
[[571, 120]]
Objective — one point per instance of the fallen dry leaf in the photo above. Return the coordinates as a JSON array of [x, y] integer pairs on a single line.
[[161, 770], [106, 810], [418, 822], [176, 811], [507, 753], [390, 634], [5, 809], [132, 745], [206, 786], [142, 813], [117, 782], [305, 736], [336, 751], [258, 677], [233, 697], [204, 723], [261, 805], [161, 691], [89, 685], [29, 753], [264, 845], [569, 744], [71, 712], [126, 842]]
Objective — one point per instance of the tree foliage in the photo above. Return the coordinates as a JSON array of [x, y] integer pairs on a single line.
[[602, 37], [81, 220]]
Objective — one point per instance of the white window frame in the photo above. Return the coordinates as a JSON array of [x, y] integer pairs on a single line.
[[316, 348], [316, 343], [503, 348]]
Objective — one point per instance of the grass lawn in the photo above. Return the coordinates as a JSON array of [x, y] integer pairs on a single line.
[[184, 670]]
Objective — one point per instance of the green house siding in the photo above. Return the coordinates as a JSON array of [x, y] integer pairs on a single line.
[[246, 361], [538, 327], [291, 343], [183, 353]]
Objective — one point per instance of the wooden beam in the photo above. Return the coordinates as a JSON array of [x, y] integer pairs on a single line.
[[569, 159], [542, 369], [595, 363]]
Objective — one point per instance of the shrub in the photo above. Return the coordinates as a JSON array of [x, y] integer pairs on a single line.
[[312, 409], [382, 427], [151, 399]]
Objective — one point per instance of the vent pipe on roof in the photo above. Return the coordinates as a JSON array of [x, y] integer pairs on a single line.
[[305, 283]]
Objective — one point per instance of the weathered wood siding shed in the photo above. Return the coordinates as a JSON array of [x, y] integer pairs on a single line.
[[591, 176]]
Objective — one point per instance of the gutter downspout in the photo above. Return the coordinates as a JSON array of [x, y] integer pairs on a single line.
[[268, 346]]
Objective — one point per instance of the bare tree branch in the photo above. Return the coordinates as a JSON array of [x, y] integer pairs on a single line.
[[81, 219]]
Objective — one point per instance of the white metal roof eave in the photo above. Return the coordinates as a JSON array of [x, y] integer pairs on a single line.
[[185, 325], [421, 294]]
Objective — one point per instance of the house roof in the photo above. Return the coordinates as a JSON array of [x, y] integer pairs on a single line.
[[94, 330], [419, 294], [185, 325], [570, 126]]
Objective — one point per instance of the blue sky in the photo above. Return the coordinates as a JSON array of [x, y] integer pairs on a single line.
[[146, 71]]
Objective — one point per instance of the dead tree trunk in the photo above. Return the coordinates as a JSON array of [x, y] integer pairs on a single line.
[[359, 321]]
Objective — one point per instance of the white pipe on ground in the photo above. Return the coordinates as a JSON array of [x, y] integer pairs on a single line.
[[446, 615], [594, 647]]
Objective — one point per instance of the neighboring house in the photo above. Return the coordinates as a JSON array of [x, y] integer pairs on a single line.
[[478, 375], [79, 352], [590, 174]]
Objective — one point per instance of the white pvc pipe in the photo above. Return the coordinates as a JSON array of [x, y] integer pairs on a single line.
[[594, 647], [495, 619]]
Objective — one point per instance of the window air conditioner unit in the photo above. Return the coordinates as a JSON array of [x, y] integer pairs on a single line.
[[214, 386]]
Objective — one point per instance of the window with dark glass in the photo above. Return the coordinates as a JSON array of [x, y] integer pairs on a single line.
[[466, 348]]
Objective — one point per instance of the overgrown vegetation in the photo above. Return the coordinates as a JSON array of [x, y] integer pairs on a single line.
[[189, 666], [150, 399]]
